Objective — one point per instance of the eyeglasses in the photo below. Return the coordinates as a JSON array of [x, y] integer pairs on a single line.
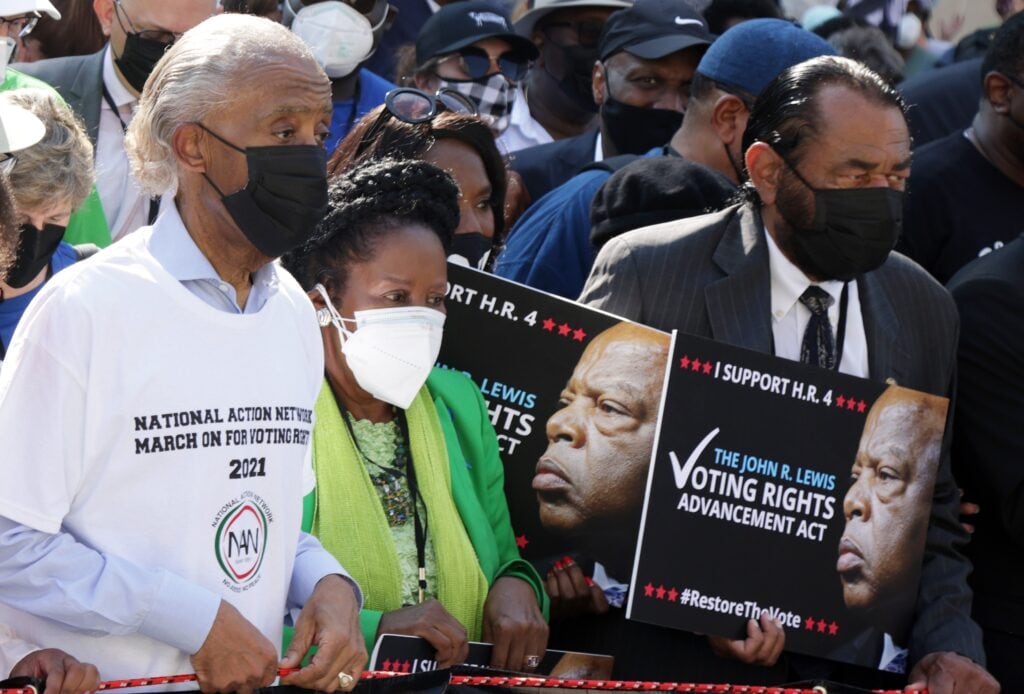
[[158, 35], [22, 25], [477, 63], [588, 31], [414, 106], [7, 163]]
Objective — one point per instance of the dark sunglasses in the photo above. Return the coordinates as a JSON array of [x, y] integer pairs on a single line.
[[477, 63], [414, 106], [588, 31]]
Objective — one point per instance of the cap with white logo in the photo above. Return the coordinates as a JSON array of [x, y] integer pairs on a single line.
[[13, 8], [462, 24], [653, 29]]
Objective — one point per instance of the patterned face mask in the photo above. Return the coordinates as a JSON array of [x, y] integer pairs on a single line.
[[493, 95]]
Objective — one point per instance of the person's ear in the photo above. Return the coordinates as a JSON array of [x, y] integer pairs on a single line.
[[996, 88], [599, 82], [187, 145], [764, 166], [729, 118], [104, 10]]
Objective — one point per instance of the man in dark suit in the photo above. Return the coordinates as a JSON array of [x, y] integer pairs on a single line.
[[987, 447], [103, 89], [648, 55], [804, 270]]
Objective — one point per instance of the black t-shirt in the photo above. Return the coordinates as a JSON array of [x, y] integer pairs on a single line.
[[958, 207]]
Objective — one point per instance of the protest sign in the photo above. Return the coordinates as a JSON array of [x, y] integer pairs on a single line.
[[794, 490]]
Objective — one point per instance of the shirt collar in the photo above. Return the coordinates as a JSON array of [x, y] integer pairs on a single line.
[[115, 87], [598, 150], [788, 282], [173, 247], [524, 121]]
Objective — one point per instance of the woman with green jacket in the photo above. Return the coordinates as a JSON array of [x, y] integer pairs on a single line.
[[410, 487]]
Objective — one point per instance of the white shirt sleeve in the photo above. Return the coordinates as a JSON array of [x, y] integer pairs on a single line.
[[12, 650]]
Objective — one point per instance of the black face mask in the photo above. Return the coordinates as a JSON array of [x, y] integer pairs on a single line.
[[576, 64], [853, 231], [285, 198], [472, 246], [138, 59], [35, 249], [635, 130]]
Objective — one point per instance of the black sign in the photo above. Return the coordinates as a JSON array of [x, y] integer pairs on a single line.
[[796, 491], [522, 347]]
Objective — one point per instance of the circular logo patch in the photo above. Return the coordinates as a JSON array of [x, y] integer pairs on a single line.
[[241, 540]]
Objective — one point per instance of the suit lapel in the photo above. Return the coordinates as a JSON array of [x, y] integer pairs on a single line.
[[886, 356], [86, 92], [739, 304]]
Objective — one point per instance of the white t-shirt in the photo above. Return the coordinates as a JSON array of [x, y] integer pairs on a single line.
[[157, 429]]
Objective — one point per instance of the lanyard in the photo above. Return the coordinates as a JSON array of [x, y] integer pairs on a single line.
[[154, 203], [419, 526]]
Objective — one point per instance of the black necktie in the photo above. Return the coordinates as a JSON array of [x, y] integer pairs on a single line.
[[819, 347]]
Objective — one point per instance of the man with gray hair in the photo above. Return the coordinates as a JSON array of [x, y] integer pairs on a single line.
[[156, 403]]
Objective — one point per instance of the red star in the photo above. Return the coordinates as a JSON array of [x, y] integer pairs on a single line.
[[809, 624], [861, 406], [840, 401], [695, 365], [673, 594], [649, 590], [684, 362], [578, 335], [821, 626], [851, 404], [707, 367], [521, 541], [387, 665], [406, 666], [564, 329], [660, 593], [833, 629], [549, 325]]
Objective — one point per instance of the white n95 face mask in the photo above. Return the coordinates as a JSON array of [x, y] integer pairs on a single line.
[[338, 35], [392, 350], [7, 48]]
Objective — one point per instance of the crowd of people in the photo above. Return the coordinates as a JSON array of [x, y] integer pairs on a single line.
[[225, 233]]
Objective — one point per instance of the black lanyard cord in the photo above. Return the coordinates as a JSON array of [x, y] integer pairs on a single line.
[[154, 203]]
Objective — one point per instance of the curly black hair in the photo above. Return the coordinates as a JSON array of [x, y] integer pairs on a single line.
[[366, 204]]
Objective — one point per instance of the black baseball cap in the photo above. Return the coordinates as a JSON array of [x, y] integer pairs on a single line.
[[461, 24], [652, 29]]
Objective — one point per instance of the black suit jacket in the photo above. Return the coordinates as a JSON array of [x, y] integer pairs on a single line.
[[709, 276], [548, 166], [942, 101], [79, 80], [988, 441]]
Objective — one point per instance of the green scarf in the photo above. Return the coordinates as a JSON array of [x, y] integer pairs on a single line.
[[350, 521]]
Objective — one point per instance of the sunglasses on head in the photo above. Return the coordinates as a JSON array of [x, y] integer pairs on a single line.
[[414, 106], [477, 63]]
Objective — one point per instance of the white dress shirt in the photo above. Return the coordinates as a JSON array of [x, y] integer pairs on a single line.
[[523, 129], [790, 317], [125, 205]]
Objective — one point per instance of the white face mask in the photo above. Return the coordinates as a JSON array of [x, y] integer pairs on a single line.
[[340, 37], [391, 351], [7, 48]]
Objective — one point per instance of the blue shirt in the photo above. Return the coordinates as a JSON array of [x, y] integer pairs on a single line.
[[62, 579], [11, 309], [371, 92], [549, 247]]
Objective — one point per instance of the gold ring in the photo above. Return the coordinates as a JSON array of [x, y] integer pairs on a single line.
[[345, 679]]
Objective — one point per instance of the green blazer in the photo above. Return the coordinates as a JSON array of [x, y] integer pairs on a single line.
[[478, 486]]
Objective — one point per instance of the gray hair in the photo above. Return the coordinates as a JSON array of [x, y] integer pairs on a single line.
[[59, 168], [193, 79]]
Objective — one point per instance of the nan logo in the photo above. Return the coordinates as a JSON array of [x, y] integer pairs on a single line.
[[241, 542]]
